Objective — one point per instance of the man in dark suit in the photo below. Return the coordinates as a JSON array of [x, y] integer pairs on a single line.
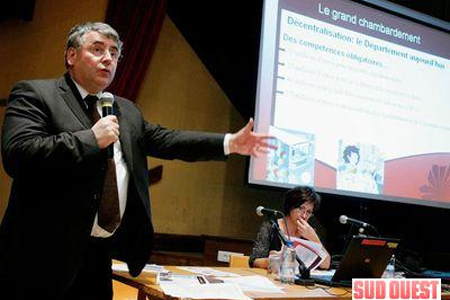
[[52, 243]]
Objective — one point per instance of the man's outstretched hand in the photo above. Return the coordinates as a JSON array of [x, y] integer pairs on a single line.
[[246, 142]]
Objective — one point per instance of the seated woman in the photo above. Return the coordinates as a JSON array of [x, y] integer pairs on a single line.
[[299, 205]]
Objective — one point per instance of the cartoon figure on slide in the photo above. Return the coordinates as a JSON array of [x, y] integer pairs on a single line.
[[360, 170]]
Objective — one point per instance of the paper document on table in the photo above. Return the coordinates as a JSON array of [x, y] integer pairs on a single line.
[[254, 283], [154, 272], [152, 268], [206, 271], [204, 291], [310, 253], [329, 273], [174, 278]]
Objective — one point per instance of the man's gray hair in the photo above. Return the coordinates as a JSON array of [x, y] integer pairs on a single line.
[[77, 34]]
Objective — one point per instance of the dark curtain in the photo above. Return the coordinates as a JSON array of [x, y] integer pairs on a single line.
[[138, 23]]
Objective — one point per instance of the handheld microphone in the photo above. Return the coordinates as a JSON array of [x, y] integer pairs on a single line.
[[106, 102], [344, 220], [262, 211]]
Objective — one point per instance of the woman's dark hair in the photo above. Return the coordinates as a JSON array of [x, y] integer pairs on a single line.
[[294, 198], [348, 151]]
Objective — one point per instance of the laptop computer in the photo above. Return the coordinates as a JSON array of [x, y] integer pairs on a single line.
[[434, 274], [365, 257]]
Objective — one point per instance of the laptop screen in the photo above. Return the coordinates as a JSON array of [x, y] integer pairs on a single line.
[[366, 257]]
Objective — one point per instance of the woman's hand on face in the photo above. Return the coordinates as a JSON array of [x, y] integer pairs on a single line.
[[306, 231]]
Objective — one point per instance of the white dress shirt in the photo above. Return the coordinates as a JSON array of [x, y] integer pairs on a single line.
[[122, 171]]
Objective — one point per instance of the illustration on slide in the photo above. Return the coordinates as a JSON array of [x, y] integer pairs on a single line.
[[360, 168], [293, 161], [438, 186]]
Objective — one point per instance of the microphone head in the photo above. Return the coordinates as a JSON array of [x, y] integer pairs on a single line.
[[259, 210], [106, 99], [343, 219]]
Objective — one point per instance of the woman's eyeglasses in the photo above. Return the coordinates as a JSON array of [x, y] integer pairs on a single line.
[[305, 211]]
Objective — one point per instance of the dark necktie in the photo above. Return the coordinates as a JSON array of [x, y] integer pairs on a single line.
[[108, 211]]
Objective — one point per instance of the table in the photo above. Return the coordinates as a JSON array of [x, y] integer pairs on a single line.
[[148, 290]]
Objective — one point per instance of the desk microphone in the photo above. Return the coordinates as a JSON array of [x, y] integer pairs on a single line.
[[262, 211], [344, 220], [106, 102]]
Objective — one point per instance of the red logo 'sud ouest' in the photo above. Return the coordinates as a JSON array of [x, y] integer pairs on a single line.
[[396, 289]]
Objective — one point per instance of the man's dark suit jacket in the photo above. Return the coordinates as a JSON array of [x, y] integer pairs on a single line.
[[53, 157]]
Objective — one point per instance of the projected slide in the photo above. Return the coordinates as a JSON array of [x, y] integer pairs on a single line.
[[358, 100]]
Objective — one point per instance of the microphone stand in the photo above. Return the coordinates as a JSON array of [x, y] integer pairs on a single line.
[[305, 278], [361, 230]]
